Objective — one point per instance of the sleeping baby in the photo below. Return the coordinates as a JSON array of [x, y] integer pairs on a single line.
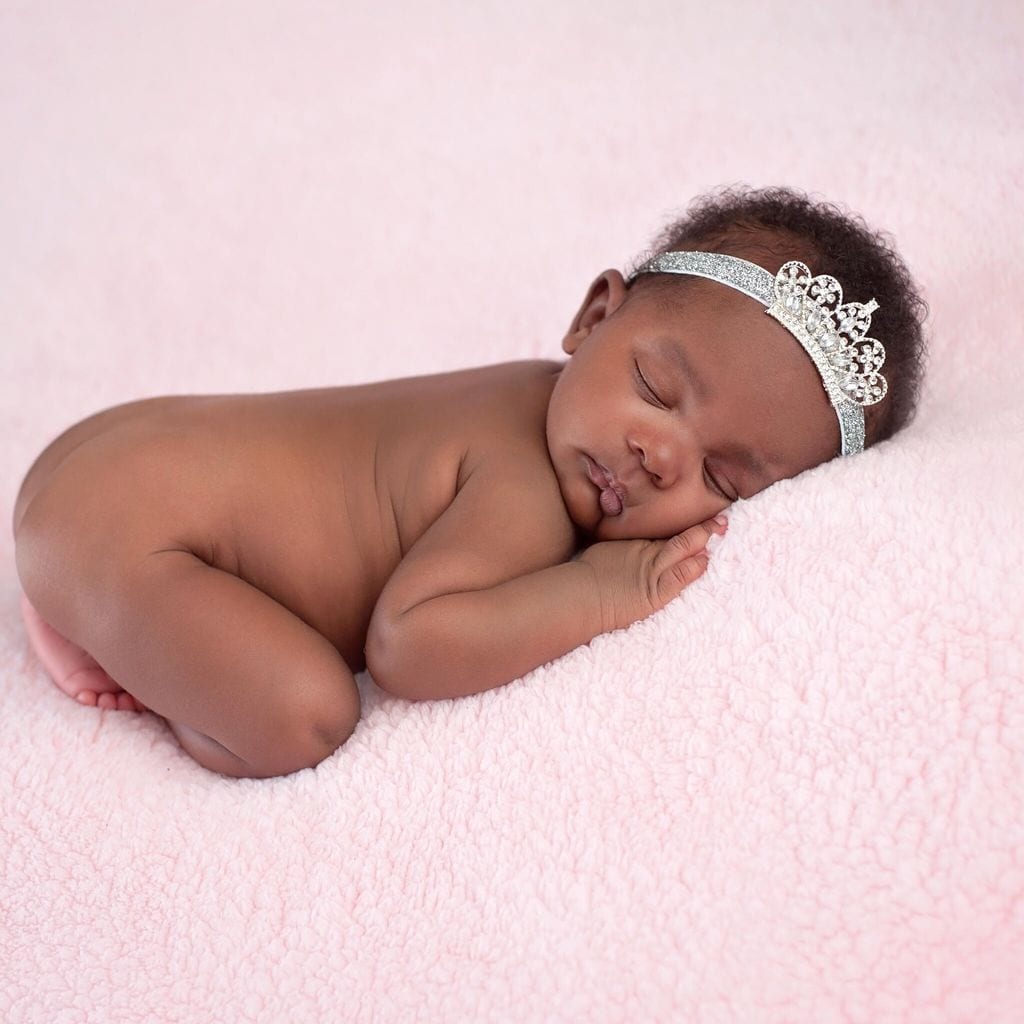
[[229, 561]]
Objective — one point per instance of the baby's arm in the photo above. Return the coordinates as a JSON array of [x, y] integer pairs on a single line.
[[474, 605]]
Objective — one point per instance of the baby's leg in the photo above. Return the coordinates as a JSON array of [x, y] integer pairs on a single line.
[[247, 687], [75, 671]]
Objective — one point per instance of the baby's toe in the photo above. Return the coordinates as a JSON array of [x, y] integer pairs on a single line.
[[126, 702], [121, 701], [93, 678]]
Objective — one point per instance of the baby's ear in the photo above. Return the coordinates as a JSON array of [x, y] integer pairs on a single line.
[[603, 297]]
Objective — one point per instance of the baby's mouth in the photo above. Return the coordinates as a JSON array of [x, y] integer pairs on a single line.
[[611, 500]]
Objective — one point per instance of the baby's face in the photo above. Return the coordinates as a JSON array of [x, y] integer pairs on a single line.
[[670, 395]]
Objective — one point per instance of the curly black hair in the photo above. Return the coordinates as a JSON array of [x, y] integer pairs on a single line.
[[772, 225]]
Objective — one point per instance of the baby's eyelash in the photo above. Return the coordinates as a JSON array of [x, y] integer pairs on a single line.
[[714, 485], [647, 387]]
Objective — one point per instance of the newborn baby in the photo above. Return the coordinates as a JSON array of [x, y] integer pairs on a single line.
[[229, 561]]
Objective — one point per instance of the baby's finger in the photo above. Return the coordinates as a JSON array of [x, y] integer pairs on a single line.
[[694, 540], [678, 575]]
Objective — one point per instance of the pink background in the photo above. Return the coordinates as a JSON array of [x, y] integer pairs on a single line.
[[795, 794]]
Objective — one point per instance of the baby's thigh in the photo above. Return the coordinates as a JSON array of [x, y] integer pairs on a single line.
[[192, 642], [208, 651]]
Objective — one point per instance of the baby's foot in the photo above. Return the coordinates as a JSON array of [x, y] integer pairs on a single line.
[[73, 670]]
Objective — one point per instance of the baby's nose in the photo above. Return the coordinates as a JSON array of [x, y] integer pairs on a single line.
[[667, 462]]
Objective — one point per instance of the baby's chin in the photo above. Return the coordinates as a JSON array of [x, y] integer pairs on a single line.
[[589, 532]]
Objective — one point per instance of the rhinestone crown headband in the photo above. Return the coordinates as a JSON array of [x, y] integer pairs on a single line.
[[833, 333]]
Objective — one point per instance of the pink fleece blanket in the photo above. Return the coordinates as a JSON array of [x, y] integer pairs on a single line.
[[795, 793]]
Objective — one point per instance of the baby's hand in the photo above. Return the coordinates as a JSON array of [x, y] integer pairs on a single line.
[[635, 578]]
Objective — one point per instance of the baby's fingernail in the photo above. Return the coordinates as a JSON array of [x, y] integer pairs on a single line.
[[721, 520]]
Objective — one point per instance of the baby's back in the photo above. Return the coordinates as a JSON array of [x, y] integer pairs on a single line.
[[312, 496]]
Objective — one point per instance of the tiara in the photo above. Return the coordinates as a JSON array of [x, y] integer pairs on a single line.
[[832, 333]]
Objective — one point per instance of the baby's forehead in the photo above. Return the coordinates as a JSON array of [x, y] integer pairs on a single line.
[[705, 316]]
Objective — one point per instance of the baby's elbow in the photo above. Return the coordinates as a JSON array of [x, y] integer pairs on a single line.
[[396, 681], [392, 663], [421, 657], [379, 669]]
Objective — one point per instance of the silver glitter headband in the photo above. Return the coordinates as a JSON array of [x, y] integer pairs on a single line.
[[832, 333]]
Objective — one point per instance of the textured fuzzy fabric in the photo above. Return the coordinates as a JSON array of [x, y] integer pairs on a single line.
[[795, 793]]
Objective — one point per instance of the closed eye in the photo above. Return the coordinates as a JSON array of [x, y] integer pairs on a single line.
[[645, 386], [714, 485]]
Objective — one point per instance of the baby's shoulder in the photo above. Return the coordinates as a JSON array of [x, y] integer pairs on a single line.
[[510, 400], [505, 417]]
